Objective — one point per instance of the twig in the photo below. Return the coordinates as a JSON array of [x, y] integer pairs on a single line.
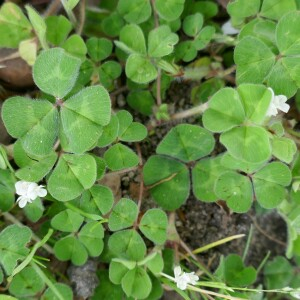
[[198, 110], [267, 235], [121, 171], [141, 191], [81, 21], [53, 8]]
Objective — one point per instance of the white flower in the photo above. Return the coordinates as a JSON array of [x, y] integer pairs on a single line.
[[182, 279], [277, 103], [228, 29], [28, 191]]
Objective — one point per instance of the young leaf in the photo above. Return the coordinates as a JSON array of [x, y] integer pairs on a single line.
[[67, 221], [192, 24], [38, 24], [127, 244], [99, 48], [236, 190], [120, 157], [13, 241], [132, 39], [33, 121], [123, 215], [154, 225], [58, 28], [55, 72], [135, 11], [140, 69], [187, 143], [169, 10], [170, 187], [69, 248], [75, 45], [91, 236], [161, 41], [72, 175], [14, 26], [82, 117], [27, 283], [136, 283]]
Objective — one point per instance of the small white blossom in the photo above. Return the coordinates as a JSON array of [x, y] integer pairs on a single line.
[[182, 279], [228, 29], [28, 191], [277, 103]]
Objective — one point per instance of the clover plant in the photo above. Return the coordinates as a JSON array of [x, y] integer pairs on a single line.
[[103, 81]]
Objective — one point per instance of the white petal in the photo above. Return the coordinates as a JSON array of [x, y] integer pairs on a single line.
[[32, 191], [272, 110], [192, 278], [182, 284], [41, 192], [21, 187], [22, 201], [228, 29], [177, 271]]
